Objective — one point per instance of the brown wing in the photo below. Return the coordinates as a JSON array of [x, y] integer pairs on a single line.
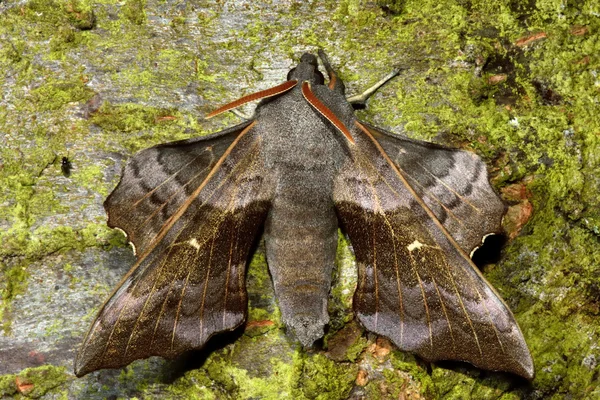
[[158, 180], [416, 284], [188, 282], [453, 184]]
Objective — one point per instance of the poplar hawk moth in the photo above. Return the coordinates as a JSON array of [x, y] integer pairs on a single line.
[[299, 169]]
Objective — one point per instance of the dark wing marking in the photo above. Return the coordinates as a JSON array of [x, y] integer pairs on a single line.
[[158, 180], [189, 283], [416, 285], [453, 183]]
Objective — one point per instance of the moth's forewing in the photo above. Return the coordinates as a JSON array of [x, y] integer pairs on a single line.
[[416, 282], [194, 210], [157, 181]]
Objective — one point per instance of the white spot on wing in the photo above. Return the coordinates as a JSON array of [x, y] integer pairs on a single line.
[[414, 245], [194, 243]]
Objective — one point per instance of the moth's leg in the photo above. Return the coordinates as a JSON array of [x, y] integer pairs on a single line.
[[243, 115], [359, 101]]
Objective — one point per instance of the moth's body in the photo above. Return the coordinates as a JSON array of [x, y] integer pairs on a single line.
[[303, 167], [301, 227]]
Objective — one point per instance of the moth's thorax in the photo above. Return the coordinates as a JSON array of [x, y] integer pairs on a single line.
[[295, 134]]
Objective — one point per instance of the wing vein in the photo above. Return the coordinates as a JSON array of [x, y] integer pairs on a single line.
[[437, 290], [462, 305], [233, 248], [489, 317], [229, 210], [183, 289], [127, 302], [175, 217], [145, 221], [169, 178]]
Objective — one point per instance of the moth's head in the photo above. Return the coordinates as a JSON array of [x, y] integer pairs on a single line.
[[307, 70]]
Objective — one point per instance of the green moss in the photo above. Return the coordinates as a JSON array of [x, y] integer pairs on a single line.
[[53, 95], [561, 352], [343, 285], [250, 388], [237, 383], [452, 386], [13, 284], [392, 6], [139, 126], [195, 384], [395, 383], [279, 384], [134, 11], [219, 371], [64, 39], [80, 13], [470, 383], [42, 379], [44, 240], [11, 51], [355, 350], [267, 320], [495, 387], [126, 118], [91, 177], [8, 386], [35, 245], [55, 21], [258, 271], [261, 305], [324, 379], [296, 377], [405, 362]]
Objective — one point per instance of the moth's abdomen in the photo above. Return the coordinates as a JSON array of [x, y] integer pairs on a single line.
[[301, 240]]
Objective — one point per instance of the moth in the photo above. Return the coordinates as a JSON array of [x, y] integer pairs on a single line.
[[301, 167]]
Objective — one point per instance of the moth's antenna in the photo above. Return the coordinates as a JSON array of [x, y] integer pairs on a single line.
[[242, 115], [334, 82], [326, 62]]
